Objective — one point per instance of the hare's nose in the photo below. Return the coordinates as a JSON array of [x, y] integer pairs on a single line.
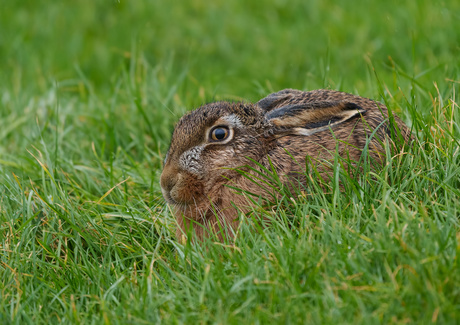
[[168, 179]]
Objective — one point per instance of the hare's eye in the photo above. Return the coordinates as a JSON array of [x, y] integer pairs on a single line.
[[219, 133]]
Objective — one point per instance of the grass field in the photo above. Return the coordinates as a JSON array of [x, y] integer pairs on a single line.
[[89, 94]]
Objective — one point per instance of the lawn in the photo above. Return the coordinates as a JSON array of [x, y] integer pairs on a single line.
[[89, 94]]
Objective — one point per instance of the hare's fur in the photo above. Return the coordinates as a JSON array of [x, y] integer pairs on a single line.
[[282, 129]]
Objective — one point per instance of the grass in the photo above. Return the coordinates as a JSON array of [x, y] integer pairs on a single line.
[[90, 92]]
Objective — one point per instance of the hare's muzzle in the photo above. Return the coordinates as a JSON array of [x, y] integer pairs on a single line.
[[180, 187]]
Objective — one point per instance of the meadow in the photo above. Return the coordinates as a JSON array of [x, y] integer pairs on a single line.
[[89, 94]]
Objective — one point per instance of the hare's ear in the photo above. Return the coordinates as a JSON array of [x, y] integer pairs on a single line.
[[271, 101], [309, 118]]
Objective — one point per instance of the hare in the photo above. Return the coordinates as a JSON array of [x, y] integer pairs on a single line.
[[280, 131]]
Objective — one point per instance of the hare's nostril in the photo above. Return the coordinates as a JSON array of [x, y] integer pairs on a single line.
[[169, 178], [168, 182]]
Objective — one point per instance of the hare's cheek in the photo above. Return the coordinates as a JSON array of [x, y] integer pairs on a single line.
[[221, 158]]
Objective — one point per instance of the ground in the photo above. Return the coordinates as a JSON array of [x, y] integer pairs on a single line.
[[89, 94]]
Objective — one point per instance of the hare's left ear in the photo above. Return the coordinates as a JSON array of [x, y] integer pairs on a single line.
[[309, 118], [271, 101]]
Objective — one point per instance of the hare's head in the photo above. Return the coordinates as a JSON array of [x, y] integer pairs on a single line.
[[205, 144], [209, 143]]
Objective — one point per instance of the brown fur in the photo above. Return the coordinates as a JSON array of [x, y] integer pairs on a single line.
[[196, 171]]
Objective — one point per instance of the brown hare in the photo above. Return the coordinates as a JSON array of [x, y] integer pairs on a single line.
[[279, 132]]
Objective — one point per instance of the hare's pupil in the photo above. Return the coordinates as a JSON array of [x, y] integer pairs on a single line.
[[219, 134]]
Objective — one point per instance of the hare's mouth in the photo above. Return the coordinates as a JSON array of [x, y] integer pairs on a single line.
[[169, 199], [179, 201]]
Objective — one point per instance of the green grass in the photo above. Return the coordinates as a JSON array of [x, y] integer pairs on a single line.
[[90, 91]]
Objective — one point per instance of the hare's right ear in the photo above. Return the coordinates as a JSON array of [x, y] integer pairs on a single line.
[[309, 118]]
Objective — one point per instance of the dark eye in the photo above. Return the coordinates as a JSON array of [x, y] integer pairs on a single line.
[[220, 133]]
